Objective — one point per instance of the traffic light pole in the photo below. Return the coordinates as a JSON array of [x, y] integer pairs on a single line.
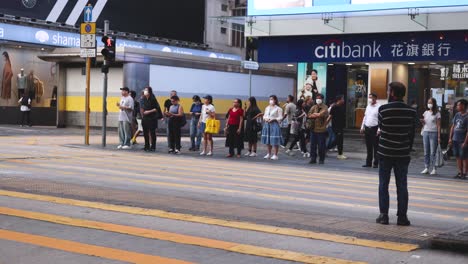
[[87, 105], [104, 92]]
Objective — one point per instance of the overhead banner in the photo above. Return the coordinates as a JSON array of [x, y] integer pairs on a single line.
[[420, 46], [292, 7], [72, 40]]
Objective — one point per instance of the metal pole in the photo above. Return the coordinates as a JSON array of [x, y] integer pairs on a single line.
[[250, 83], [87, 110], [104, 93]]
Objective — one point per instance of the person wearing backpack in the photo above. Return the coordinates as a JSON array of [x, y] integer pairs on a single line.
[[25, 108], [176, 120]]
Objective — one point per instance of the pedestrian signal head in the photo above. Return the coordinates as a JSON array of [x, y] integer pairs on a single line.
[[109, 48]]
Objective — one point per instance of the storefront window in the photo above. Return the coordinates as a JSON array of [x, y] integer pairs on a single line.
[[356, 95]]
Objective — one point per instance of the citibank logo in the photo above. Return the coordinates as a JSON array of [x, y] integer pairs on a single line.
[[42, 36], [336, 49]]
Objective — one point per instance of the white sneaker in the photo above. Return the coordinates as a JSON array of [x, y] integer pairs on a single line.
[[267, 156], [248, 154], [119, 147], [287, 151], [282, 146], [126, 147], [253, 154], [202, 153], [307, 155], [425, 171], [274, 157], [304, 155], [177, 152], [341, 157], [434, 172], [209, 154]]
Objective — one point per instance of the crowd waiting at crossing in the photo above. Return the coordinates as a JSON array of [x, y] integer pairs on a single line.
[[307, 125]]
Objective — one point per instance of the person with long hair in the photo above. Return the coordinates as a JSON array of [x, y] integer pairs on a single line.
[[431, 135], [175, 116], [252, 126], [7, 75], [234, 127], [195, 133], [208, 111], [271, 132], [151, 112], [298, 122]]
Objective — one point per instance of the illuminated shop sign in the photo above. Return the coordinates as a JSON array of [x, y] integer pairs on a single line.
[[421, 46], [291, 7], [72, 40]]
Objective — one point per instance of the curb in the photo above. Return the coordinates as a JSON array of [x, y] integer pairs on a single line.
[[456, 240]]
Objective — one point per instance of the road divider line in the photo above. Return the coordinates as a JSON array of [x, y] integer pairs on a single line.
[[86, 249], [218, 222], [176, 238]]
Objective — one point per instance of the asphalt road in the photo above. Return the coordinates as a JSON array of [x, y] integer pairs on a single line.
[[63, 202]]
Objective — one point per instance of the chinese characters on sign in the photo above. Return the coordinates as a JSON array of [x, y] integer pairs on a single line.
[[427, 49], [460, 71]]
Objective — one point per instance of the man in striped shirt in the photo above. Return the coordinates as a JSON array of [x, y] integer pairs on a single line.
[[396, 120]]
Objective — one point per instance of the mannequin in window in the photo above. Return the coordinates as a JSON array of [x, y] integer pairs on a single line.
[[21, 82], [7, 75], [316, 85]]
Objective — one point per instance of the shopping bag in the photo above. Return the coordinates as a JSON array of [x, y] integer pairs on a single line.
[[212, 126], [439, 158]]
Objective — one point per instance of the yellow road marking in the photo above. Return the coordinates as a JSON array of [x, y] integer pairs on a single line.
[[219, 222], [174, 237], [86, 249]]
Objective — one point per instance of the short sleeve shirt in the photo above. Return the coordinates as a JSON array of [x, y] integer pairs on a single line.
[[204, 115], [430, 121], [126, 115], [234, 117], [460, 123], [290, 110]]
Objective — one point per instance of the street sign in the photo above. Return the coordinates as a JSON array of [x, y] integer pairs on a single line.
[[88, 53], [88, 14], [250, 65], [88, 41], [88, 28]]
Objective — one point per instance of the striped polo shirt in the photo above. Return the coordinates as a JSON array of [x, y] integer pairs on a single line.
[[396, 122]]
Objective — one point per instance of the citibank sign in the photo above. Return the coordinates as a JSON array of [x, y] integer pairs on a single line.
[[401, 46], [336, 49]]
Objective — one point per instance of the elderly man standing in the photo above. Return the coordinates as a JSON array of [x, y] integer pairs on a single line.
[[396, 119]]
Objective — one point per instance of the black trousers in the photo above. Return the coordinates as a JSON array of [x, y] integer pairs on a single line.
[[149, 130], [299, 137], [26, 115], [339, 140], [372, 142], [287, 135], [174, 135]]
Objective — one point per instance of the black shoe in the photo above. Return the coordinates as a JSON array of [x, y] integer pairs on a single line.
[[375, 166], [312, 162], [321, 162], [366, 166], [152, 150], [403, 221], [382, 219], [463, 177], [146, 149], [458, 176]]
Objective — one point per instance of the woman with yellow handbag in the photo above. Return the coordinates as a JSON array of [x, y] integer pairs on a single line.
[[207, 124]]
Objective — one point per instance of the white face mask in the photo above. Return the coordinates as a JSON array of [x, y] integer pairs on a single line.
[[272, 102], [145, 92], [371, 101], [429, 106], [319, 101]]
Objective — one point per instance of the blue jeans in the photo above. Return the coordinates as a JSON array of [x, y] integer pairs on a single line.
[[195, 133], [400, 168], [125, 133], [430, 140], [331, 143], [317, 140]]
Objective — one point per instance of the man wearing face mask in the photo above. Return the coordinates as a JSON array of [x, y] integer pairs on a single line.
[[369, 127], [319, 114], [396, 119]]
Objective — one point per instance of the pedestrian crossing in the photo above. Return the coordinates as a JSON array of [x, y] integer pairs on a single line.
[[225, 180]]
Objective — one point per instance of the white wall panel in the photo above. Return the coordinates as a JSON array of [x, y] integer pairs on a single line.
[[76, 82]]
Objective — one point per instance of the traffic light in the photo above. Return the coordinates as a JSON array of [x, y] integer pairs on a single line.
[[109, 48]]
